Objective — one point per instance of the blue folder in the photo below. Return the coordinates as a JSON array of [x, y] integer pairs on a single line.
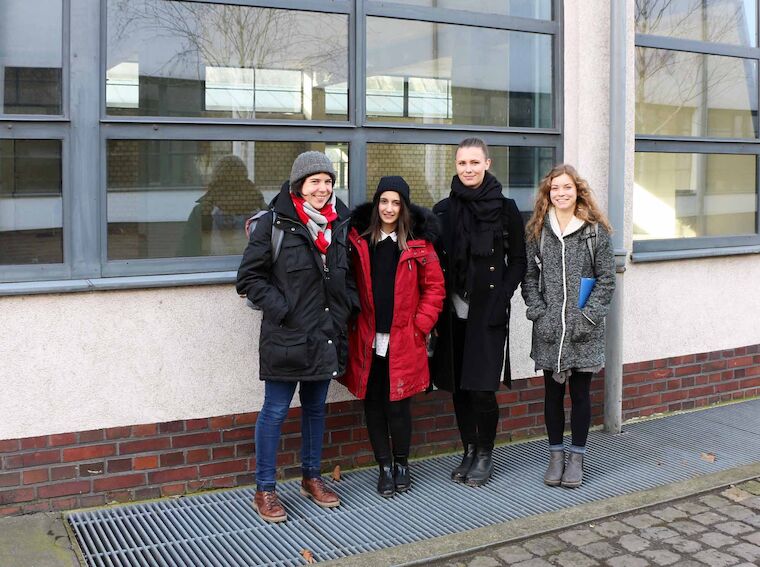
[[587, 284]]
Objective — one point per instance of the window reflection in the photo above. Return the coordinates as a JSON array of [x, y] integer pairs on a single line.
[[682, 195], [191, 198], [716, 21], [31, 43], [450, 74], [31, 204], [537, 9], [169, 58], [428, 168], [694, 94]]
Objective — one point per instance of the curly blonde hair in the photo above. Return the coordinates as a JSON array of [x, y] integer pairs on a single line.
[[586, 208]]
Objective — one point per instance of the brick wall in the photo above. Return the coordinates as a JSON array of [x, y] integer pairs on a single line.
[[91, 468]]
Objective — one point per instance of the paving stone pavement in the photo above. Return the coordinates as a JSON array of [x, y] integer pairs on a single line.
[[717, 529]]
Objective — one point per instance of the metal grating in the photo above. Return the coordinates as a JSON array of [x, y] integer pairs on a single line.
[[221, 529]]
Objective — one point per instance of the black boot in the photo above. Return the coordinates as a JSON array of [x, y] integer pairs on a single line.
[[459, 474], [401, 476], [385, 484], [481, 468]]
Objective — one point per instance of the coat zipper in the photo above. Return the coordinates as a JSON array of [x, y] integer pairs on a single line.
[[564, 305]]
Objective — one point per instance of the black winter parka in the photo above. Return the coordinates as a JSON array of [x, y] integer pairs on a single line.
[[485, 352], [305, 304]]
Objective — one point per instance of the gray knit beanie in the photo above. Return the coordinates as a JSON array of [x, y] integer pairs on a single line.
[[309, 163]]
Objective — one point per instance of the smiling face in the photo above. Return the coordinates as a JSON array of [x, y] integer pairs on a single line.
[[317, 190], [389, 208], [472, 165], [563, 193]]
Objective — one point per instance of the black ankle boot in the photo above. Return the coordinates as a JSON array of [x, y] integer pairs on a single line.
[[385, 485], [481, 468], [459, 474], [401, 476]]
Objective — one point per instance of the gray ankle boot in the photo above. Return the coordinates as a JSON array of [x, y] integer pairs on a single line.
[[573, 475], [553, 474]]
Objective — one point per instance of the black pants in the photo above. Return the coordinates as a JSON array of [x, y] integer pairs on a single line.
[[554, 407], [384, 416], [477, 412]]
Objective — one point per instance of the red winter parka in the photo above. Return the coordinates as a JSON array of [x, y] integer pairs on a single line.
[[419, 294]]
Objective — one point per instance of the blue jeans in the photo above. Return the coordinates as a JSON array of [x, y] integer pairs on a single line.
[[277, 397]]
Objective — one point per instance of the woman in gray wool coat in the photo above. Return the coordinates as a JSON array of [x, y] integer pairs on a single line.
[[567, 239]]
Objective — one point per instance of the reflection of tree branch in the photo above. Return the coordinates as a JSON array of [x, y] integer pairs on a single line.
[[678, 18], [235, 36], [719, 79]]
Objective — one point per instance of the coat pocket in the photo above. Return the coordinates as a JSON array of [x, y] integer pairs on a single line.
[[583, 330], [287, 351], [546, 329]]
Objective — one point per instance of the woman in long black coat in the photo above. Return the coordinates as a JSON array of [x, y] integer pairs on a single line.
[[482, 251]]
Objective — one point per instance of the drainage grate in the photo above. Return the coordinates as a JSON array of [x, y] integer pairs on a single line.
[[221, 529]]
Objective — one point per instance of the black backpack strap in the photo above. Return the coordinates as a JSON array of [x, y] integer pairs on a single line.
[[589, 234]]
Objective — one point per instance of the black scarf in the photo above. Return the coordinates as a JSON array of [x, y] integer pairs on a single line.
[[476, 219]]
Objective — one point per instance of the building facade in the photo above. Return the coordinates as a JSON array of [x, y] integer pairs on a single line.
[[137, 136]]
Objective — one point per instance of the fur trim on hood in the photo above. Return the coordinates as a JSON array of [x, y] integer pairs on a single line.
[[424, 223]]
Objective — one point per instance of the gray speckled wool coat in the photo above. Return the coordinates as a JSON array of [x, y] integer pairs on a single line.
[[564, 336]]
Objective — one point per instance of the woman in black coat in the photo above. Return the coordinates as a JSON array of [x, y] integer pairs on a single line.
[[482, 250], [307, 293]]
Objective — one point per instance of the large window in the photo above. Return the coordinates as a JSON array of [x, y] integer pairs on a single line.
[[191, 198], [169, 58], [428, 169], [31, 212], [447, 74], [144, 133], [32, 180], [696, 172]]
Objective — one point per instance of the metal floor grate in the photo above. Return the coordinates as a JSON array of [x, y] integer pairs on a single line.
[[221, 529]]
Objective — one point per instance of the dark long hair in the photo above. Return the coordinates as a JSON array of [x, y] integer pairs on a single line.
[[403, 225]]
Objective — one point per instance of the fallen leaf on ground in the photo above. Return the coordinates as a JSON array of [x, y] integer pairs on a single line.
[[709, 457], [308, 556], [336, 473]]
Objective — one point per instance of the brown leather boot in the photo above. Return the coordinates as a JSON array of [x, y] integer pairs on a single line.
[[269, 507], [317, 490]]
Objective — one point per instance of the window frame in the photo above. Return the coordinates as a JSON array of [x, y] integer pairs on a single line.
[[87, 128], [652, 250]]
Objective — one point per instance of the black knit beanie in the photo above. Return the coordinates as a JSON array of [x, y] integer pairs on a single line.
[[393, 183]]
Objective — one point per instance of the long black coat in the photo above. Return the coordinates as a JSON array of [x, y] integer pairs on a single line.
[[485, 352], [305, 304]]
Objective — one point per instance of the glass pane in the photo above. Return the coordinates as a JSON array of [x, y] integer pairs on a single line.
[[31, 44], [686, 195], [717, 21], [192, 197], [215, 61], [31, 203], [449, 74], [537, 9], [429, 168], [692, 94]]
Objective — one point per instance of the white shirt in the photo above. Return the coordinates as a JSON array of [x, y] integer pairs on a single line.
[[380, 344]]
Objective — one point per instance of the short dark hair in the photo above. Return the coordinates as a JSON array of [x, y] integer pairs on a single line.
[[296, 187]]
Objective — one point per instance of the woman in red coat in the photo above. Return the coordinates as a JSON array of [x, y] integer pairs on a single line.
[[401, 291]]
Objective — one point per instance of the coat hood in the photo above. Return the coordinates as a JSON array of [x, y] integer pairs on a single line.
[[424, 223]]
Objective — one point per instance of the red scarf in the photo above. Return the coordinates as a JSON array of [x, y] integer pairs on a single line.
[[327, 212]]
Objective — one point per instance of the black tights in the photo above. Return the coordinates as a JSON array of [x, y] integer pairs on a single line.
[[477, 412], [554, 407], [383, 416]]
